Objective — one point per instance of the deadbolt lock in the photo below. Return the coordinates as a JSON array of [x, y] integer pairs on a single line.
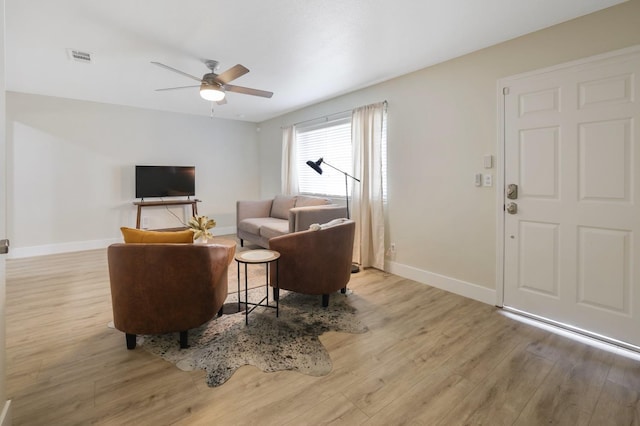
[[512, 208], [4, 246], [512, 191]]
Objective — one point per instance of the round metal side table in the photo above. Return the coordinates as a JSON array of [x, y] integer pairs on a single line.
[[255, 257]]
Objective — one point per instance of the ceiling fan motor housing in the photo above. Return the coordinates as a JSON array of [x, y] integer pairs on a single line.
[[210, 79]]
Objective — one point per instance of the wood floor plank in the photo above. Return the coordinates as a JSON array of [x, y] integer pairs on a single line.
[[501, 397], [334, 411], [618, 405], [626, 372], [382, 385], [427, 403], [571, 390], [478, 360]]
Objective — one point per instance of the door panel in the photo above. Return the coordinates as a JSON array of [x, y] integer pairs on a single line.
[[605, 160], [539, 162], [572, 147], [539, 258], [604, 257]]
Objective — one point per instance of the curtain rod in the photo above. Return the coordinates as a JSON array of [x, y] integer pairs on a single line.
[[326, 117]]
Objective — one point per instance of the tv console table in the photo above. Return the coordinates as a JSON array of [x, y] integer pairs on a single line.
[[141, 204]]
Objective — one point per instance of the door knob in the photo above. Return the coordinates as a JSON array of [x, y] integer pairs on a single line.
[[512, 208]]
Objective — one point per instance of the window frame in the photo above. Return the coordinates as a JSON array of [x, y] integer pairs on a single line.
[[327, 135]]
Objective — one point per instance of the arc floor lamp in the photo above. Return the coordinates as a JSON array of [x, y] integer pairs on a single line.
[[315, 165]]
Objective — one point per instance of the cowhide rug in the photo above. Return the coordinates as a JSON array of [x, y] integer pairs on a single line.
[[289, 342]]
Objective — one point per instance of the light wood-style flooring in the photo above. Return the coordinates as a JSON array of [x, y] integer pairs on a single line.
[[429, 358]]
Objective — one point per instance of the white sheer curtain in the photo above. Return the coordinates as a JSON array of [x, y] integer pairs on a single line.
[[368, 208], [289, 176]]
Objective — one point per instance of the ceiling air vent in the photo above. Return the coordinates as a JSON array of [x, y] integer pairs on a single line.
[[77, 55]]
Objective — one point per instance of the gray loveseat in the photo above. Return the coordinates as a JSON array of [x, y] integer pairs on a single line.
[[259, 221]]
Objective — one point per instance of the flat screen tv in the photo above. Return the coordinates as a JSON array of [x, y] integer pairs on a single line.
[[165, 181]]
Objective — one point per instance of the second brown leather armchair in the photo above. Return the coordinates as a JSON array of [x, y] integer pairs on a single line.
[[315, 262]]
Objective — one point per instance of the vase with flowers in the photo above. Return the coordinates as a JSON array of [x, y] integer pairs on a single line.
[[200, 225]]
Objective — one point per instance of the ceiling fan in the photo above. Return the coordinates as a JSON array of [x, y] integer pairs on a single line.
[[213, 86]]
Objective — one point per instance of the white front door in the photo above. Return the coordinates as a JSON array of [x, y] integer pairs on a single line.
[[572, 147]]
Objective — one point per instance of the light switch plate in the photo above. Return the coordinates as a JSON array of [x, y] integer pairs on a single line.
[[488, 161], [488, 180]]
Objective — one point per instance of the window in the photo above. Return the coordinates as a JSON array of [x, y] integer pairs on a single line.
[[330, 140]]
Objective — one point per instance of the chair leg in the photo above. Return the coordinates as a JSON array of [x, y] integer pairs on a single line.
[[131, 340], [184, 339], [325, 300], [343, 290], [276, 293], [241, 242], [220, 311]]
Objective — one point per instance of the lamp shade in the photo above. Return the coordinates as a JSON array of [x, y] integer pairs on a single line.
[[315, 165], [211, 92]]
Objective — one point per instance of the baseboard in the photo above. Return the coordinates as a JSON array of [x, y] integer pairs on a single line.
[[20, 252], [453, 285], [5, 417]]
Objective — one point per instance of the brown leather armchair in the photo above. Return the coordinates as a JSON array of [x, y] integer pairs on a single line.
[[166, 288], [315, 262]]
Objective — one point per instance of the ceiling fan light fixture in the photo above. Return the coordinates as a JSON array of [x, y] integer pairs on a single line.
[[211, 92]]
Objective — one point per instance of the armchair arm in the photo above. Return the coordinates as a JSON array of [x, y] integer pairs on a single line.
[[300, 218], [249, 209]]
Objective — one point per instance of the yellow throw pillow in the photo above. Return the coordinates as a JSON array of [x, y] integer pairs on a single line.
[[140, 236]]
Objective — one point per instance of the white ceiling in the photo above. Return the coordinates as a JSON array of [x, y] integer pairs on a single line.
[[303, 51]]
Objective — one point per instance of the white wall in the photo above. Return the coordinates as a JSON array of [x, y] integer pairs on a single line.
[[71, 169], [442, 120]]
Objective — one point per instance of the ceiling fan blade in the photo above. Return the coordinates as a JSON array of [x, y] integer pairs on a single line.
[[176, 88], [231, 74], [247, 91], [176, 70], [223, 101]]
